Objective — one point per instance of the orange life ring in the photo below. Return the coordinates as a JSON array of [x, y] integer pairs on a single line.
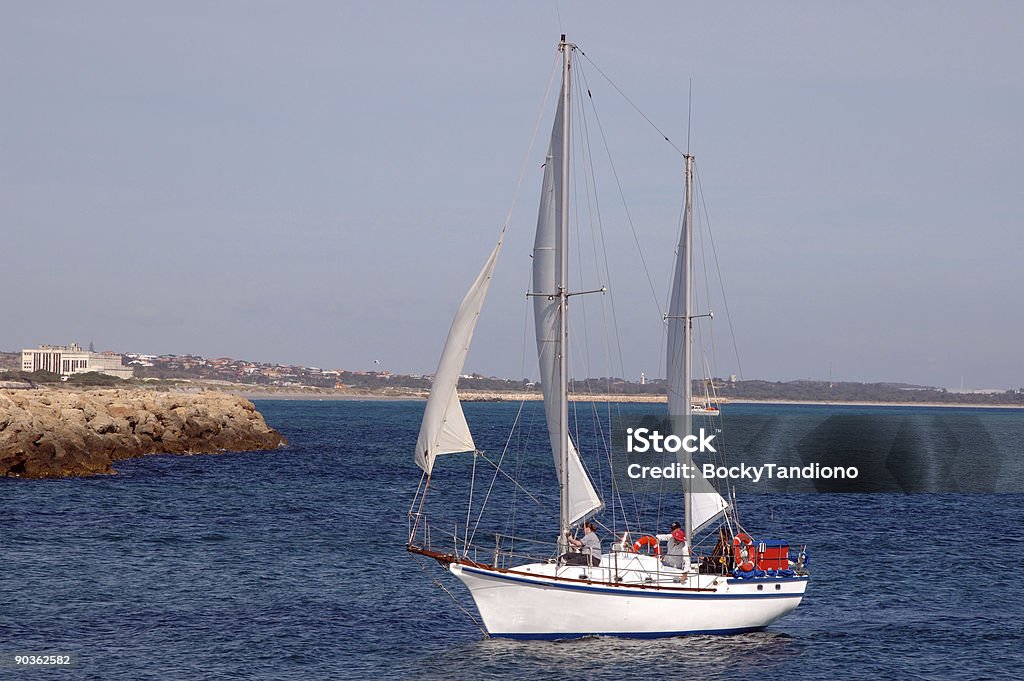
[[647, 540], [743, 551]]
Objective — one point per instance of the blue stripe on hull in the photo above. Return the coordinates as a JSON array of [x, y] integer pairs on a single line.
[[764, 580], [652, 634], [625, 591]]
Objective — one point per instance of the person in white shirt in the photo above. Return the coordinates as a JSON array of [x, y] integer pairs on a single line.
[[676, 556], [589, 547]]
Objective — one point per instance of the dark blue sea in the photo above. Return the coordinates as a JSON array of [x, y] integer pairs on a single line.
[[292, 565]]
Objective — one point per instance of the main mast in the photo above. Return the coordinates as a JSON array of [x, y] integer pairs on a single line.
[[687, 421], [563, 308]]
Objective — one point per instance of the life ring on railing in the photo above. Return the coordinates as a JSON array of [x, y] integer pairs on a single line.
[[743, 551], [647, 540]]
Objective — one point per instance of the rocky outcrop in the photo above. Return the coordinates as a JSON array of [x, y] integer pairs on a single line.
[[58, 433]]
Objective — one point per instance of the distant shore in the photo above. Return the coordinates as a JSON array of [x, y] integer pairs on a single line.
[[250, 393]]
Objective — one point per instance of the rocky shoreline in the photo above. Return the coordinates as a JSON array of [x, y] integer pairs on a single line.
[[63, 433]]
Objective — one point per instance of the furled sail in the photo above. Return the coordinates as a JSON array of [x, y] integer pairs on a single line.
[[579, 496], [444, 429], [705, 504]]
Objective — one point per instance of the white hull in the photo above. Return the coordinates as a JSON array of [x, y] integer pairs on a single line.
[[526, 602], [537, 602]]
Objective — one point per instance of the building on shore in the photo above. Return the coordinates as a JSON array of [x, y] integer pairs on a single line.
[[72, 359]]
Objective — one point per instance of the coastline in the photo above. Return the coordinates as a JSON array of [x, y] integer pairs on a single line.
[[52, 433], [331, 394]]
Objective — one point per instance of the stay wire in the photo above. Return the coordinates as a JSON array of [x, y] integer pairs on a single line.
[[617, 495], [586, 169], [725, 300], [635, 107], [443, 588], [533, 139], [622, 196]]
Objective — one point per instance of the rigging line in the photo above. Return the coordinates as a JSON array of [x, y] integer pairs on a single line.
[[619, 90], [497, 469], [523, 441], [607, 268], [604, 277], [587, 164], [469, 506], [527, 304], [705, 235], [725, 300], [600, 254], [515, 431], [468, 614], [589, 392], [529, 540], [423, 475], [510, 518], [533, 139], [579, 131], [597, 229], [622, 195]]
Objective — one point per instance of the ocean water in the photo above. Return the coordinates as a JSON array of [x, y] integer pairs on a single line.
[[291, 565]]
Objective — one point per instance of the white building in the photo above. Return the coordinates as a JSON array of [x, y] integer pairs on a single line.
[[72, 359]]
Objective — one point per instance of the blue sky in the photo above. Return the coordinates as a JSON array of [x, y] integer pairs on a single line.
[[316, 183]]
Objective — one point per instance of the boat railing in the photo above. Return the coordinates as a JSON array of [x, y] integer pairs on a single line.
[[507, 551], [538, 550]]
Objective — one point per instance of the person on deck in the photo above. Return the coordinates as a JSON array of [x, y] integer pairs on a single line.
[[676, 556], [589, 548]]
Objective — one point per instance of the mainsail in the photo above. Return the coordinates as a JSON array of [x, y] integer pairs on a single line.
[[579, 498], [444, 429], [704, 505]]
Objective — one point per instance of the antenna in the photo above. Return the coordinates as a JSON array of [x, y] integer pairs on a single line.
[[689, 117]]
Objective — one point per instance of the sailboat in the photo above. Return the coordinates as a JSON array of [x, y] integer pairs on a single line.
[[708, 406], [628, 593]]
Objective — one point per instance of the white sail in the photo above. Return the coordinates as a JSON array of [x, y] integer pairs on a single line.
[[444, 429], [705, 506], [579, 496], [582, 499], [703, 503]]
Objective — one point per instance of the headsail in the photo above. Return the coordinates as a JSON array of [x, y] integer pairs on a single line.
[[444, 429], [703, 503], [579, 496]]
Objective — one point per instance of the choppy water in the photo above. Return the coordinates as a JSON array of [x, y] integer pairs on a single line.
[[291, 565]]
